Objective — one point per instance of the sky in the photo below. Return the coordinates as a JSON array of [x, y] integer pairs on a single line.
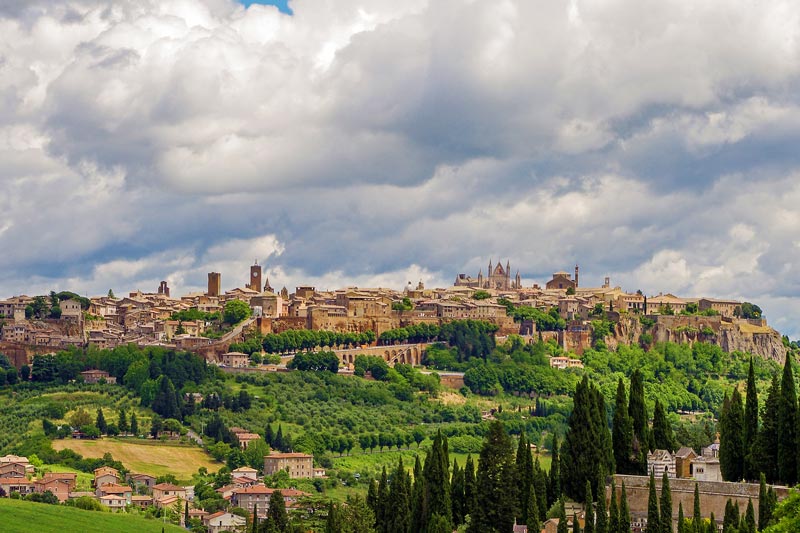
[[377, 143]]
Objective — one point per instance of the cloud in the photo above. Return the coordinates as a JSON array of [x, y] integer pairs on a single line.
[[653, 142]]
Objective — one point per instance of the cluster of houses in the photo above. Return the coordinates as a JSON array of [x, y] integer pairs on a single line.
[[686, 463], [141, 491]]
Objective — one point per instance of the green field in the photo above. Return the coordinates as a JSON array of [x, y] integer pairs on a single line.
[[21, 517]]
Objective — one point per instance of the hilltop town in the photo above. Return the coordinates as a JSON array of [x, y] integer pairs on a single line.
[[560, 309]]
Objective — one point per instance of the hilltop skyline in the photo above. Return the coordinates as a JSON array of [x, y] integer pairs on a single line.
[[351, 144]]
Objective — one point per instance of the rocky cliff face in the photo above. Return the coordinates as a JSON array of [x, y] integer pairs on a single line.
[[736, 335]]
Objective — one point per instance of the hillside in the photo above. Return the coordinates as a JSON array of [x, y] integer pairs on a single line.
[[21, 517]]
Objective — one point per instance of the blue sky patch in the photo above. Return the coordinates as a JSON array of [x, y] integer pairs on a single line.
[[282, 5]]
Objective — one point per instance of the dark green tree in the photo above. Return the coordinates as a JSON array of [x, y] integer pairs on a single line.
[[383, 508], [562, 518], [589, 506], [765, 451], [134, 424], [332, 523], [122, 421], [601, 521], [613, 510], [787, 420], [576, 526], [525, 483], [637, 410], [624, 511], [277, 519], [730, 521], [457, 494], [540, 482], [470, 488], [373, 502], [697, 516], [731, 448], [398, 515], [750, 433], [417, 498], [681, 519], [662, 429], [165, 402], [554, 487], [534, 523], [653, 514], [749, 519], [622, 434], [436, 473], [666, 505], [766, 503], [100, 422], [496, 480]]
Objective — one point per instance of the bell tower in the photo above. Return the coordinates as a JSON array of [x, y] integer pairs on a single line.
[[255, 277]]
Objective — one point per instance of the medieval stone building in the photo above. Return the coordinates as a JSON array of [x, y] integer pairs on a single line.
[[498, 278]]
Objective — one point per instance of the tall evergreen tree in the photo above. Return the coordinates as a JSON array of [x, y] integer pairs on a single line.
[[637, 410], [613, 510], [524, 468], [576, 525], [750, 432], [787, 419], [495, 482], [681, 519], [765, 451], [101, 423], [418, 497], [534, 523], [398, 511], [437, 482], [749, 519], [662, 429], [763, 502], [165, 402], [731, 448], [624, 511], [134, 424], [332, 523], [562, 518], [457, 494], [554, 488], [540, 486], [697, 517], [383, 510], [122, 421], [255, 517], [601, 521], [470, 488], [269, 436], [730, 521], [587, 443], [666, 505], [653, 514], [622, 434], [277, 519], [589, 506], [373, 502]]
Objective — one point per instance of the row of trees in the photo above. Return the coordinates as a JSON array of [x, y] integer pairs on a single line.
[[293, 340], [773, 447], [317, 361], [411, 333]]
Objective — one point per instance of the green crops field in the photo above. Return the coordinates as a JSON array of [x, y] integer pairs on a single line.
[[22, 517]]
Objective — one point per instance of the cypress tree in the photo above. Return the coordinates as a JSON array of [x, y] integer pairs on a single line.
[[653, 514], [279, 444], [470, 488], [534, 524], [765, 451], [398, 511], [587, 444], [589, 524], [554, 492], [255, 517], [601, 523], [697, 517], [787, 419], [437, 482], [662, 429], [637, 410], [764, 513], [613, 512], [681, 519], [439, 524], [457, 494], [332, 524], [562, 518], [277, 517], [731, 449], [495, 483], [712, 524], [269, 436], [622, 433], [750, 432], [418, 497], [383, 510], [540, 485], [524, 468], [624, 511], [730, 522], [372, 497], [134, 424], [749, 518], [576, 526], [666, 505], [101, 423], [122, 421]]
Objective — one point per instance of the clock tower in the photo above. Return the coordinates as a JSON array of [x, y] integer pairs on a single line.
[[255, 277]]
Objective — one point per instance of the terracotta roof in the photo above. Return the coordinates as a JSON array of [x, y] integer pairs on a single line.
[[138, 498], [113, 497], [111, 488], [15, 481], [288, 455], [168, 486]]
